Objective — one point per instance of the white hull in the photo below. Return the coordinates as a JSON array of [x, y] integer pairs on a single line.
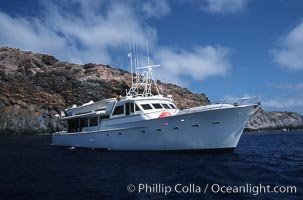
[[203, 130]]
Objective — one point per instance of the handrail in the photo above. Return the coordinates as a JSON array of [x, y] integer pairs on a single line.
[[241, 99], [220, 105]]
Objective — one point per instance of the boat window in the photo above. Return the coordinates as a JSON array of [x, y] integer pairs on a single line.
[[100, 109], [93, 121], [73, 125], [131, 107], [103, 117], [165, 106], [172, 106], [119, 110], [84, 122], [127, 108], [146, 107], [157, 105], [137, 107]]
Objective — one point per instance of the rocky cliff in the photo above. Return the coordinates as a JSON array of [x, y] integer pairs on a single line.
[[35, 87], [262, 120]]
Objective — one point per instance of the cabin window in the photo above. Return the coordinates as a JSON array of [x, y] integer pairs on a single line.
[[103, 117], [73, 125], [127, 109], [165, 106], [93, 121], [146, 107], [172, 106], [100, 109], [119, 110], [132, 107], [157, 106], [137, 107], [84, 122]]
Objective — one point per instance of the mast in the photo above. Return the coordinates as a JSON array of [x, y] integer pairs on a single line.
[[130, 52], [147, 51], [142, 85], [143, 82], [131, 66]]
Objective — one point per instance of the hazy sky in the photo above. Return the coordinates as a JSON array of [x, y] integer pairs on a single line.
[[223, 48]]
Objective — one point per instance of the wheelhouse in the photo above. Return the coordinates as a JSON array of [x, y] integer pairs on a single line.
[[135, 106]]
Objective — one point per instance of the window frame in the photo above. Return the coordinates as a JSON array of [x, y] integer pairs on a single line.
[[137, 108], [93, 119], [127, 108], [167, 106], [119, 110], [146, 104], [158, 104], [84, 122], [172, 106]]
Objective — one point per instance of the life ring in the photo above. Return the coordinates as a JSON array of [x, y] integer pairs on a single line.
[[164, 114]]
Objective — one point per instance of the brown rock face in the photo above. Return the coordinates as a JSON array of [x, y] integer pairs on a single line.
[[35, 87]]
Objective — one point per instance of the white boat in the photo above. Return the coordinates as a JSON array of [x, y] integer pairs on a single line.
[[141, 121]]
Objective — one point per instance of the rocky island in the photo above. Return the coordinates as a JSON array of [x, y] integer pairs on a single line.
[[35, 88], [264, 121]]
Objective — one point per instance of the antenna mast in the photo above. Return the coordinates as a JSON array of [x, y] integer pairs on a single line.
[[145, 79], [147, 52], [130, 54]]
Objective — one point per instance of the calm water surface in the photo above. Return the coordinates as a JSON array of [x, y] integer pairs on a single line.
[[31, 169]]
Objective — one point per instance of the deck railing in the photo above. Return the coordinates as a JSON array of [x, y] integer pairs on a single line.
[[217, 105]]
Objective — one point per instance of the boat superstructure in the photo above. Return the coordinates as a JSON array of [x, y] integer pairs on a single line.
[[142, 121]]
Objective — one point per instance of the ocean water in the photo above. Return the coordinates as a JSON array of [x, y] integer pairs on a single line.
[[32, 169]]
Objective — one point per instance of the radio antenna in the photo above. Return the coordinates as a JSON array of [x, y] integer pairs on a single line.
[[130, 52], [147, 50]]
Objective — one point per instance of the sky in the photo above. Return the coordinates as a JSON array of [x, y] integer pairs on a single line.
[[223, 48]]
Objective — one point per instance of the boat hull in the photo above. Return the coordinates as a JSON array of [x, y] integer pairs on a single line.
[[205, 131]]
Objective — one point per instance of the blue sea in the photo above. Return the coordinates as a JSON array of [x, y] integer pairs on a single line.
[[32, 169]]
